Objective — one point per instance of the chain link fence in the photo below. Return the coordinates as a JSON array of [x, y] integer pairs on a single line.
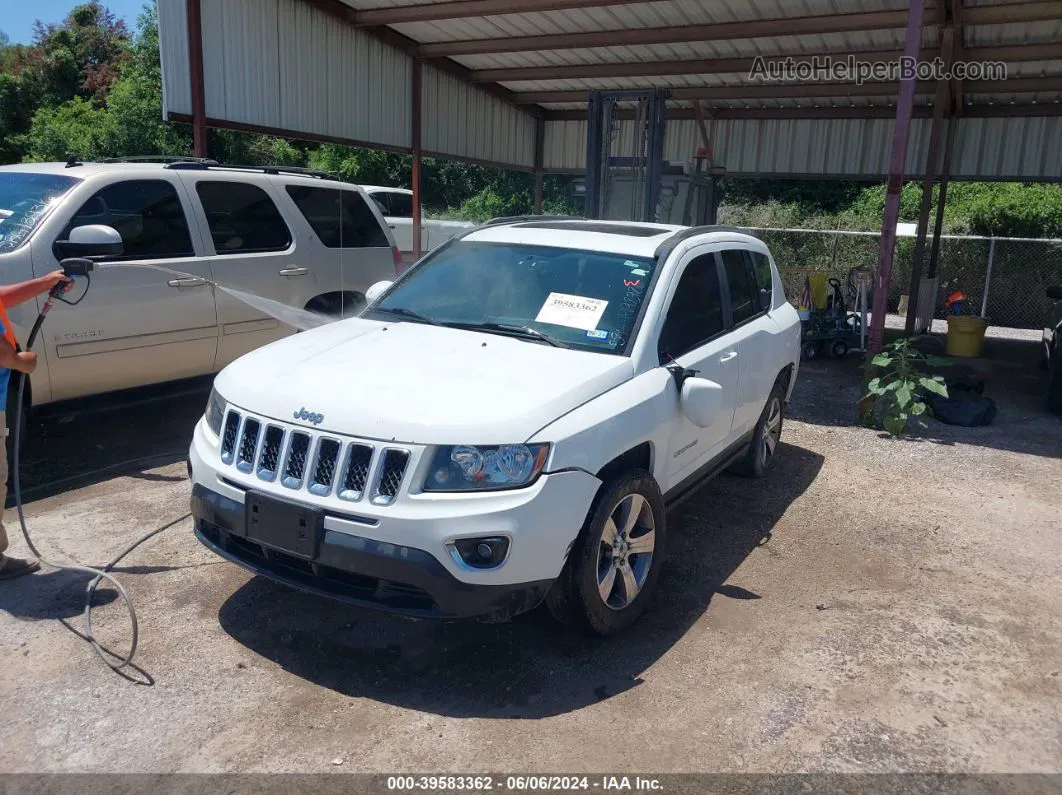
[[1013, 272]]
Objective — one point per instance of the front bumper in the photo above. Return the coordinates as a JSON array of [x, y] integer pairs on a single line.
[[362, 571]]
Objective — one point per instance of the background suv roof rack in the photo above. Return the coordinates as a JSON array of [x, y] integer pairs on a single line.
[[185, 165], [514, 219], [160, 159]]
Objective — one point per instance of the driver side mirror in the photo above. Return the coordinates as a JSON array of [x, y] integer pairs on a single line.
[[701, 400], [1055, 292], [94, 241], [375, 291]]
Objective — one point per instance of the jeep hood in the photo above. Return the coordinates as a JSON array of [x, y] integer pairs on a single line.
[[416, 383]]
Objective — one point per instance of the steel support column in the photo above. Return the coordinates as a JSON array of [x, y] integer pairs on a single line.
[[942, 196], [898, 157], [540, 147], [414, 138], [195, 76]]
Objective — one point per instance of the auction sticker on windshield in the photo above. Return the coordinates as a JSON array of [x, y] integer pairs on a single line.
[[573, 311]]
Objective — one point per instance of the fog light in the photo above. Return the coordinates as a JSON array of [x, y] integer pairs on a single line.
[[480, 553]]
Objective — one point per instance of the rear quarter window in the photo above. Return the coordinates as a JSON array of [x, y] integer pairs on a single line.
[[339, 218], [242, 218]]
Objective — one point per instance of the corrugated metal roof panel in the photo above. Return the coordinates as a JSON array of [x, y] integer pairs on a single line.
[[173, 48], [633, 17], [1017, 148], [1044, 31], [463, 121]]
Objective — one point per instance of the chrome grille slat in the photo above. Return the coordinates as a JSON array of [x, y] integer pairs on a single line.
[[356, 472], [228, 436], [389, 479], [295, 462], [324, 467], [269, 457], [245, 453]]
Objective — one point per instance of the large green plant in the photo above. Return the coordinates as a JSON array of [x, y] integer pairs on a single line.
[[902, 385]]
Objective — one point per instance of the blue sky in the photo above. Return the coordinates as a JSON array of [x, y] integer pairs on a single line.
[[18, 16]]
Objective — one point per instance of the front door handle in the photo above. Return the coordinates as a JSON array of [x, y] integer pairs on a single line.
[[294, 271], [179, 283], [726, 357]]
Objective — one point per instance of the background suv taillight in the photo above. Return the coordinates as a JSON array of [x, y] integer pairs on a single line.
[[400, 264]]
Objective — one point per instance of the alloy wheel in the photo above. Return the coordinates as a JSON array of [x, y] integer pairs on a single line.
[[625, 557], [772, 430]]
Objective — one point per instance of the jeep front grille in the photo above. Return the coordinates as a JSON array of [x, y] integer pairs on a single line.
[[321, 464]]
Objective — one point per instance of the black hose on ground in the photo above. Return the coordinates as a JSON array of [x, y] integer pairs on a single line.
[[114, 661]]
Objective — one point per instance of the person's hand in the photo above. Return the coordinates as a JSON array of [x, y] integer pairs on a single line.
[[57, 277], [26, 362]]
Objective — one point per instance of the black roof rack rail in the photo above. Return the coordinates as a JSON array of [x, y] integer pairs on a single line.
[[669, 245], [184, 165], [160, 159], [72, 161], [513, 219]]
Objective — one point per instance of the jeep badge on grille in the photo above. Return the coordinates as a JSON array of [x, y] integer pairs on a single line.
[[309, 416]]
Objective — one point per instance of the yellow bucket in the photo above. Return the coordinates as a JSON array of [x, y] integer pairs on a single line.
[[965, 335]]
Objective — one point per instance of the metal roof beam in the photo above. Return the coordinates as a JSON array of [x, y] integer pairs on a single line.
[[745, 29], [463, 9], [812, 90], [706, 66], [920, 112]]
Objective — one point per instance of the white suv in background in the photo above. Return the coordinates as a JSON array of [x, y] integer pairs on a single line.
[[505, 423], [396, 204], [295, 237]]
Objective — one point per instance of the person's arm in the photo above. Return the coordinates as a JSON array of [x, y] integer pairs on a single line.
[[15, 294], [24, 361]]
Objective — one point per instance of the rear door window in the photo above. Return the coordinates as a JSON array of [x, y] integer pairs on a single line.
[[339, 218], [401, 205], [242, 218], [744, 293]]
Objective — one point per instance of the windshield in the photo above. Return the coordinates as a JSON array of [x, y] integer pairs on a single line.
[[25, 199], [587, 300]]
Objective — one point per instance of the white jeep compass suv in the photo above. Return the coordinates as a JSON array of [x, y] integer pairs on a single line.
[[505, 423]]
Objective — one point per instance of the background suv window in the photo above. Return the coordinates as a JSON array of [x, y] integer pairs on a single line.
[[340, 218], [146, 213], [696, 311], [744, 292], [242, 218], [401, 205]]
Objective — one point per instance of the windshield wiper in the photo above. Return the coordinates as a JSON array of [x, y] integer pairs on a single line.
[[525, 332], [401, 311]]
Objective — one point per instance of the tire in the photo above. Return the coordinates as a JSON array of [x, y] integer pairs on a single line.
[[811, 350], [839, 349], [335, 307], [1054, 387], [765, 437], [591, 591]]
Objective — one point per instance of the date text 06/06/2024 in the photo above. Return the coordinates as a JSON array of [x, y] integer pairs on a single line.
[[517, 783]]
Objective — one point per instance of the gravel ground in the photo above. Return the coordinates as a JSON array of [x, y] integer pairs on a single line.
[[872, 605]]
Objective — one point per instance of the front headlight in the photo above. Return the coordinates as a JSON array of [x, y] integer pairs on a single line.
[[467, 468], [215, 412]]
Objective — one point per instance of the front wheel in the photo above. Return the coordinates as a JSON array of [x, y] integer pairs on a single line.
[[615, 564]]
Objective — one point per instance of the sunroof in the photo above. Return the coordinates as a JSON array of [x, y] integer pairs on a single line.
[[629, 230]]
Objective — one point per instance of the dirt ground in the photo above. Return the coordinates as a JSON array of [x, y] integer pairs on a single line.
[[873, 605]]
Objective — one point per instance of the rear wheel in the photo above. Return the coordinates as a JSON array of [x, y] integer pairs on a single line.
[[1054, 385], [766, 437], [337, 306], [614, 566], [839, 349]]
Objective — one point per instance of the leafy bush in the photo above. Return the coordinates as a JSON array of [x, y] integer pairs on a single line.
[[900, 391]]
